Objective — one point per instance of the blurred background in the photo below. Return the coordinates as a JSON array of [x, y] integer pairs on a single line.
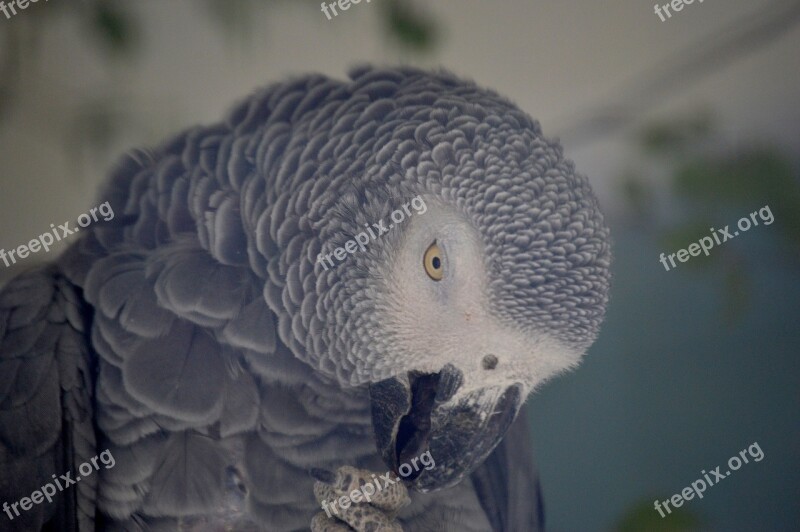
[[680, 125]]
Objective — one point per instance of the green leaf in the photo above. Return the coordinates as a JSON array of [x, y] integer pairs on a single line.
[[644, 516], [759, 173], [676, 135], [113, 26], [682, 236], [410, 26]]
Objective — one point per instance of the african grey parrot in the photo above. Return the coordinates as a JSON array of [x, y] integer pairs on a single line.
[[211, 339]]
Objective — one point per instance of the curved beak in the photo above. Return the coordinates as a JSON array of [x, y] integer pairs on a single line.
[[423, 414]]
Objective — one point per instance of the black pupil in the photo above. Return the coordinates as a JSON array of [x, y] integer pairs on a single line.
[[437, 263]]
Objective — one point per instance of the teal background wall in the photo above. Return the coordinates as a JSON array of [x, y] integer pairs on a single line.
[[670, 389]]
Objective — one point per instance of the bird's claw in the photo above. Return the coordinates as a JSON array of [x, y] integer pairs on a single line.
[[370, 502]]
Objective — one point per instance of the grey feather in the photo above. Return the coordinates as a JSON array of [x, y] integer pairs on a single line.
[[189, 478], [46, 411], [190, 380]]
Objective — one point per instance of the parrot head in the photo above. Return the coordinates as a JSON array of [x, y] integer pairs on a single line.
[[483, 306], [453, 312]]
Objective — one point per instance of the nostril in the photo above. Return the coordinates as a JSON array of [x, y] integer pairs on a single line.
[[489, 362]]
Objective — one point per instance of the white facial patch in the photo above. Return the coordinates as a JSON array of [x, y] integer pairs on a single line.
[[449, 321]]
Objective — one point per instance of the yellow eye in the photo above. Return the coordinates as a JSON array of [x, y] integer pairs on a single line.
[[433, 262]]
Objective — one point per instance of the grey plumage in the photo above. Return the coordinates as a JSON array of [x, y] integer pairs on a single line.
[[200, 333]]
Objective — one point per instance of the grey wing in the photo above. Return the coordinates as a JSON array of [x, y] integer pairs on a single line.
[[46, 425], [507, 484]]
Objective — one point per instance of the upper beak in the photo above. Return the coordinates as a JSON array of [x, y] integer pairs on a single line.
[[417, 413]]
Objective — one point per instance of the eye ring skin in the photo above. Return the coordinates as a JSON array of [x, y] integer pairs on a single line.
[[433, 256]]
